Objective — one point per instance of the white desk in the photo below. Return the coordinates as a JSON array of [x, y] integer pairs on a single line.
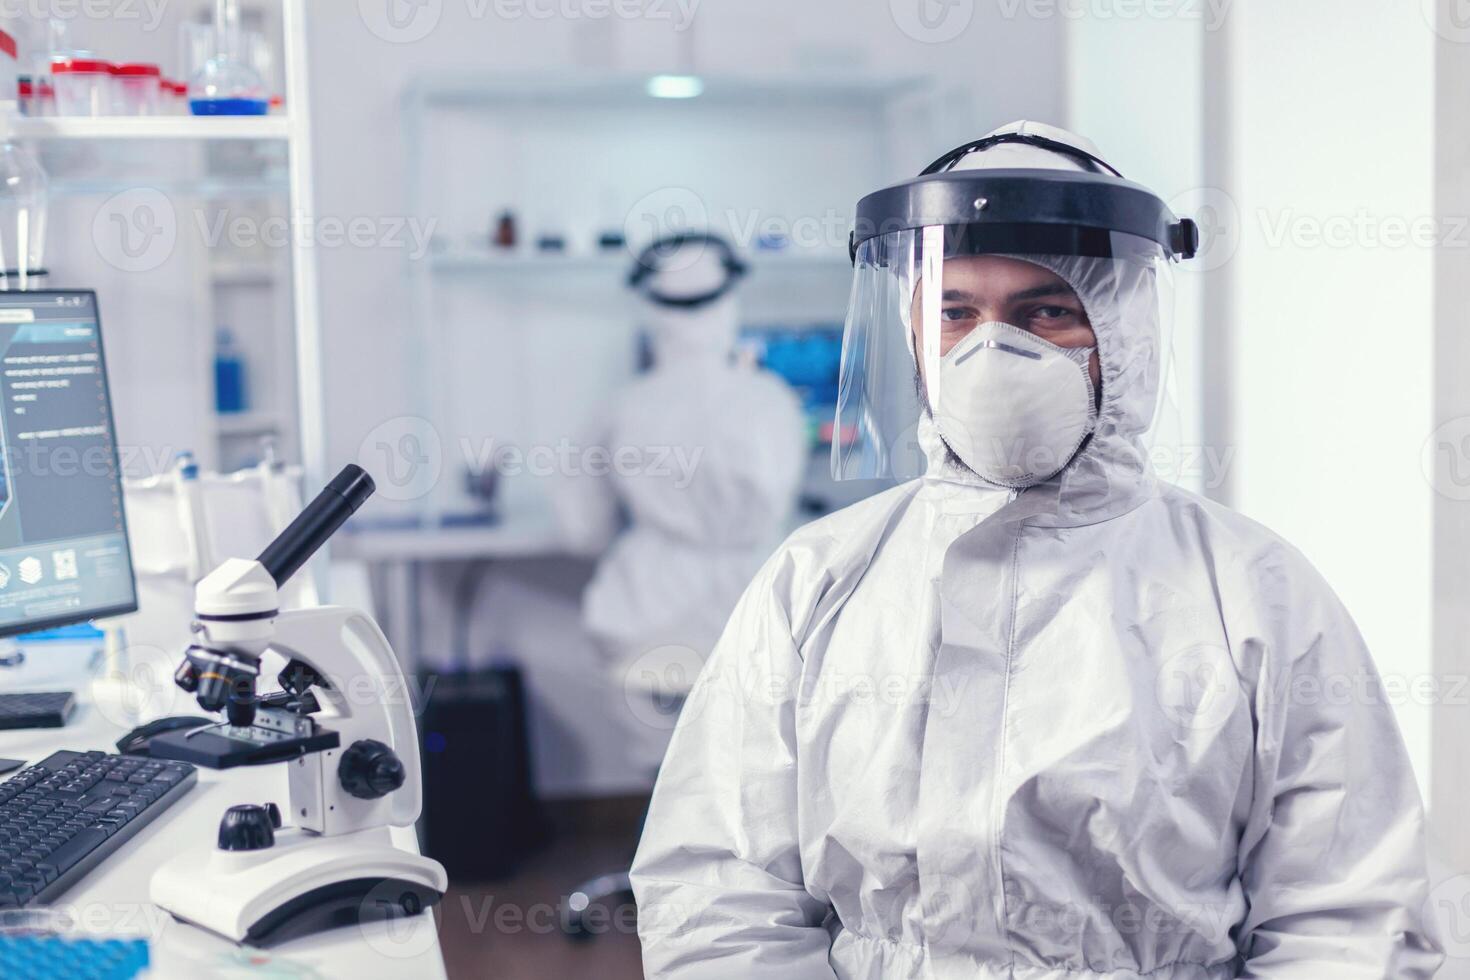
[[404, 552], [522, 539], [113, 898]]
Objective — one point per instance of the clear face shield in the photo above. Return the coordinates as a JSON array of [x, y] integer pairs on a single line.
[[998, 337]]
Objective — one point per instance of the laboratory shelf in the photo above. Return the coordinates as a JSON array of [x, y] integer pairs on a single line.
[[623, 89], [153, 128], [186, 187]]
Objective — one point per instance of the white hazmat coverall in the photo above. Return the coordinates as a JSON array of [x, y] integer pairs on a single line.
[[1080, 731], [720, 449]]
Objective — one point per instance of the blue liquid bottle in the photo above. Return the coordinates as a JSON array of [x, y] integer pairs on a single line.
[[229, 376]]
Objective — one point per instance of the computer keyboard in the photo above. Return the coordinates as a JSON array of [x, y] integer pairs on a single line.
[[63, 815], [47, 709]]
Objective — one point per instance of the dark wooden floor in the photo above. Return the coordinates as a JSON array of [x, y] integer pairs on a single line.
[[512, 929]]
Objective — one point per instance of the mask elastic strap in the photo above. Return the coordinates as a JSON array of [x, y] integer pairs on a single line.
[[1081, 356]]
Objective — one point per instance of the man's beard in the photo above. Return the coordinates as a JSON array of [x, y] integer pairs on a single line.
[[951, 458]]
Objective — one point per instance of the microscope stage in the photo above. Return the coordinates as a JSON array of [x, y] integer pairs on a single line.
[[225, 746]]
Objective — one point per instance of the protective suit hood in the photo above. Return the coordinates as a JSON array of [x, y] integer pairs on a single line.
[[1112, 473], [706, 334], [687, 284]]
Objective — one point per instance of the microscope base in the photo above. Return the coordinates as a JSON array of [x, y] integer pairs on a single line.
[[302, 884]]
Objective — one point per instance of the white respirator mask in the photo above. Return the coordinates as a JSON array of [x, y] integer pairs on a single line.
[[1013, 407]]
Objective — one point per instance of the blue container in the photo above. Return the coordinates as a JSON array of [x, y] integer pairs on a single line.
[[228, 107], [229, 377]]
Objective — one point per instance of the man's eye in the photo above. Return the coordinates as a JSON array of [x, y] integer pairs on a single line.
[[955, 314], [1052, 313]]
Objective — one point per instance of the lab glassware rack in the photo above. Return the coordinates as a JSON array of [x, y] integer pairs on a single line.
[[291, 130]]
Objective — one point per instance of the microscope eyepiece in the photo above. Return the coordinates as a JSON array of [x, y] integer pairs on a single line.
[[339, 499], [353, 484]]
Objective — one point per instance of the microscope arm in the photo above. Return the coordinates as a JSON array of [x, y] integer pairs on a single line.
[[367, 688]]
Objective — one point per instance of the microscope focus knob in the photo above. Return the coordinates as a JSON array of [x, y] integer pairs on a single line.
[[370, 770], [249, 827]]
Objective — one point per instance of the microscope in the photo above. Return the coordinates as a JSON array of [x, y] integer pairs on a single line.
[[341, 721]]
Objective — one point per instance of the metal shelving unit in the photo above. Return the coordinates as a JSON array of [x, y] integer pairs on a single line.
[[157, 127], [291, 130]]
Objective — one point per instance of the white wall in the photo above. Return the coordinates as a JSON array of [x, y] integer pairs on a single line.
[[1305, 364], [1334, 337], [998, 66]]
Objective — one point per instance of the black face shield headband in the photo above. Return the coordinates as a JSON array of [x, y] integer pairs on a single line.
[[648, 263], [1020, 211]]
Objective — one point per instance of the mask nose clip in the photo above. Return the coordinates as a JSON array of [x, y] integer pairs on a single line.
[[997, 345]]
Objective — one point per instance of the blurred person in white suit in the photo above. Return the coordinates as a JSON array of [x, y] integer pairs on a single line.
[[705, 462]]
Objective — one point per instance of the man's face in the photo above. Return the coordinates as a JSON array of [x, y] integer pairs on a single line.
[[988, 288]]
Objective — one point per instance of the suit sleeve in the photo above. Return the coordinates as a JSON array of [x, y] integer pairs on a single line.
[[718, 873], [585, 504], [1333, 856]]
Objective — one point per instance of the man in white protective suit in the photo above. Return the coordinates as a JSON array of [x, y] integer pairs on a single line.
[[1034, 714]]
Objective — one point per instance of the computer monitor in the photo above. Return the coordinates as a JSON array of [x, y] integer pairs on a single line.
[[64, 555]]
